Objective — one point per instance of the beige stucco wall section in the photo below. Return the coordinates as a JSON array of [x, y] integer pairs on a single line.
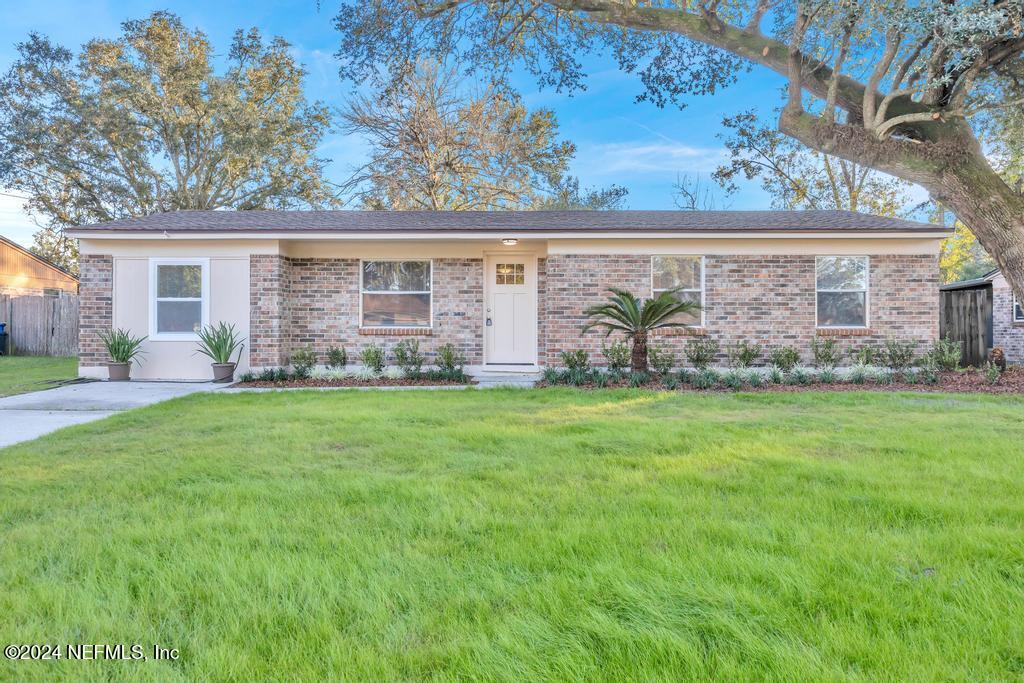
[[779, 246], [229, 302]]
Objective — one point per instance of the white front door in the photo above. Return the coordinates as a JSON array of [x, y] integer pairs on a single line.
[[510, 330]]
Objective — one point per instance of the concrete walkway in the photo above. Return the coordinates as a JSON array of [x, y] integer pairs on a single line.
[[27, 416]]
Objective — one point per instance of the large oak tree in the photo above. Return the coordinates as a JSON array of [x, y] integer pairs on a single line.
[[143, 123], [909, 89]]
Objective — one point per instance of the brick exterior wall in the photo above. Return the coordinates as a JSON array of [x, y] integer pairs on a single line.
[[765, 299], [1006, 333], [302, 302], [95, 308]]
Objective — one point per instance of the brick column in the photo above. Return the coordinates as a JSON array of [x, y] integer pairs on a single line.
[[95, 308], [268, 309]]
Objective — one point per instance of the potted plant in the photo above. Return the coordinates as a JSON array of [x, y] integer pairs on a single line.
[[123, 349], [219, 342]]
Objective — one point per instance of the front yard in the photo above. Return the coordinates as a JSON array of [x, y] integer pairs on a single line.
[[519, 535], [21, 374]]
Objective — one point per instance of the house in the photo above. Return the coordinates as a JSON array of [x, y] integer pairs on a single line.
[[23, 273], [998, 313], [507, 288]]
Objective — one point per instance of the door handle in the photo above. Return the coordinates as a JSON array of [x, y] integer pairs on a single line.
[[488, 322]]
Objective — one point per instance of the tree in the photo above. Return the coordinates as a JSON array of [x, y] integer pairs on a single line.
[[800, 178], [53, 245], [637, 318], [903, 88], [142, 124], [691, 193], [961, 257], [566, 195], [435, 147]]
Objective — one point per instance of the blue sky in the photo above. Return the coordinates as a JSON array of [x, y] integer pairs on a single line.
[[618, 140]]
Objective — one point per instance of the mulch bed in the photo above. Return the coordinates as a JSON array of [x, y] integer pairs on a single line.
[[966, 381], [319, 383]]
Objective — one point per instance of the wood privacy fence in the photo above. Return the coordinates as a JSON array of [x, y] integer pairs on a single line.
[[41, 325], [965, 316]]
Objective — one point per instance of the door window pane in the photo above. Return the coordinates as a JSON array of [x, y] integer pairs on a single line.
[[510, 274]]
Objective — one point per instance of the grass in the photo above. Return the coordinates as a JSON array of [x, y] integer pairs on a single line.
[[22, 374], [515, 535]]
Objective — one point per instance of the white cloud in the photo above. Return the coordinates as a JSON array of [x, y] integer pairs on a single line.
[[647, 156]]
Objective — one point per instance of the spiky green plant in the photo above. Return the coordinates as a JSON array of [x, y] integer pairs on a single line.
[[637, 318], [122, 346], [219, 342]]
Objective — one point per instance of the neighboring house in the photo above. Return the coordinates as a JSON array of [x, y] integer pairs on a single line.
[[23, 273], [507, 288], [1000, 312]]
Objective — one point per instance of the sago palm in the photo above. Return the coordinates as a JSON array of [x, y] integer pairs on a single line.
[[636, 318]]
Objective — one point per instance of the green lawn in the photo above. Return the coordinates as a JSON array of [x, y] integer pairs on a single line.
[[553, 535], [21, 374]]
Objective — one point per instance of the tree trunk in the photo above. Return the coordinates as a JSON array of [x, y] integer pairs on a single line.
[[638, 362]]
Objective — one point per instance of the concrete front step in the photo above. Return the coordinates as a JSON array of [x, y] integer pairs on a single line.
[[506, 379]]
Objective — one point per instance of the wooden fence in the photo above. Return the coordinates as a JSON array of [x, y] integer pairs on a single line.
[[965, 315], [41, 325]]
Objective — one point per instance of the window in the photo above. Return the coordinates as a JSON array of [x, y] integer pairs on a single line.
[[685, 273], [842, 289], [1018, 311], [510, 273], [180, 293], [396, 293]]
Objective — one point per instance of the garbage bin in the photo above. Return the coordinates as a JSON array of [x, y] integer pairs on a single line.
[[3, 339]]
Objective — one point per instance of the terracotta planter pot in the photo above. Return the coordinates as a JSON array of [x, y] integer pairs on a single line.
[[119, 372], [223, 372]]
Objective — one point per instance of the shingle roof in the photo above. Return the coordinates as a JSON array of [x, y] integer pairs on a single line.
[[982, 281], [511, 221]]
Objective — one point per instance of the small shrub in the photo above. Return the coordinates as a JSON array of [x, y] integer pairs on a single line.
[[706, 378], [639, 379], [946, 354], [755, 379], [550, 376], [450, 359], [575, 360], [701, 352], [733, 379], [600, 379], [799, 376], [374, 358], [784, 357], [827, 376], [661, 358], [267, 375], [859, 373], [409, 358], [865, 355], [827, 354], [685, 376], [910, 377], [577, 377], [303, 361], [281, 375], [616, 375], [617, 355], [247, 377], [337, 358], [886, 377], [743, 354], [394, 373], [776, 375], [670, 382], [365, 374], [930, 369], [992, 373], [899, 355]]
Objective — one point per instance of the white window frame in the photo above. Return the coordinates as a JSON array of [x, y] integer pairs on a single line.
[[363, 291], [154, 264], [703, 288], [866, 290], [1014, 304]]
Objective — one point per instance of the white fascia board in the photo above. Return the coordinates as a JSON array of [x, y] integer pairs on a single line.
[[371, 236]]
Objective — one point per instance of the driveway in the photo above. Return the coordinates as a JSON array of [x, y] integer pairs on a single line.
[[27, 416]]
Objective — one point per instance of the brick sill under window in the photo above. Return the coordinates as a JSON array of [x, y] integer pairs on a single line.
[[680, 332], [395, 332], [843, 332]]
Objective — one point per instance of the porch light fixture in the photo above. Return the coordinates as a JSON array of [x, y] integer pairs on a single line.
[[510, 241]]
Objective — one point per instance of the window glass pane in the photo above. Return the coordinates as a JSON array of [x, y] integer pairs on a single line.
[[842, 309], [396, 276], [396, 310], [510, 274], [1018, 311], [179, 282], [179, 316], [676, 271], [842, 272]]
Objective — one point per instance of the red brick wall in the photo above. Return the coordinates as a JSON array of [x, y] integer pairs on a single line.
[[1006, 333], [302, 302], [764, 299], [95, 307]]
